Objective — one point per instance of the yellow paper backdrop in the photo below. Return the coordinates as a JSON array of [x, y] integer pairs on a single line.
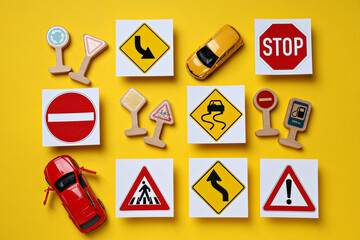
[[332, 135]]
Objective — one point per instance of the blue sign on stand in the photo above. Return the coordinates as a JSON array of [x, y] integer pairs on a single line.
[[298, 113]]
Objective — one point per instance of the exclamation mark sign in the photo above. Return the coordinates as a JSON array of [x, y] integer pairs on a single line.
[[288, 191]]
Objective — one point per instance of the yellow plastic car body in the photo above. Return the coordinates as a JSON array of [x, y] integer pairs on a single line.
[[214, 52]]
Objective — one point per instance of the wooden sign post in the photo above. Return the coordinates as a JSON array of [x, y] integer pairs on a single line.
[[58, 38], [93, 47], [133, 101], [161, 114], [296, 120], [265, 100]]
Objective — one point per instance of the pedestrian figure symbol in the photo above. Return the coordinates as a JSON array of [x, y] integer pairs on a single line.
[[144, 195]]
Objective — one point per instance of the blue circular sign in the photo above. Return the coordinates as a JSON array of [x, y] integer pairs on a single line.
[[57, 36]]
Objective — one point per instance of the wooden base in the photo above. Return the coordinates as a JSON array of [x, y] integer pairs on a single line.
[[59, 69], [154, 142], [267, 132], [135, 131], [290, 143], [80, 78]]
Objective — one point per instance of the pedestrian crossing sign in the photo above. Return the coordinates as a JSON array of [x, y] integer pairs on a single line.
[[144, 195]]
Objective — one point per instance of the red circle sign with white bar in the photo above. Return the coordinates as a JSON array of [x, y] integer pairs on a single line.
[[71, 117], [265, 99]]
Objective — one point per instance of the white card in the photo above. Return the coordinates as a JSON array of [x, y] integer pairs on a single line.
[[289, 188], [283, 46], [144, 48], [144, 188], [218, 188], [70, 117], [216, 114]]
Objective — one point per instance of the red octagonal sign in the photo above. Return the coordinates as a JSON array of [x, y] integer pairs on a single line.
[[283, 46]]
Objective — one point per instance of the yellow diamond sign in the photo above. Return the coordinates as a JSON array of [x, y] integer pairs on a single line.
[[218, 187], [216, 114], [144, 47]]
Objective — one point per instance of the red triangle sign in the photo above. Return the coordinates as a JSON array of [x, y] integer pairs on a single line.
[[144, 194], [289, 171], [163, 112]]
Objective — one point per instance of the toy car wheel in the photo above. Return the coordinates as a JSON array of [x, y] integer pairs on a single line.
[[102, 205]]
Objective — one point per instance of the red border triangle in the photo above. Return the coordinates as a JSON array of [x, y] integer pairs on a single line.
[[167, 109], [309, 207], [127, 207], [101, 44]]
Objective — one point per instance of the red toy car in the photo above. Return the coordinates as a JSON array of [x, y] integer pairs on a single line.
[[64, 176]]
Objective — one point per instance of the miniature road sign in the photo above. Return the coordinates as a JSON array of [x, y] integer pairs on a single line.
[[296, 120], [283, 46], [58, 38], [71, 117], [144, 195], [162, 114], [290, 177], [218, 187], [216, 114], [289, 188], [144, 48], [93, 47], [144, 188], [133, 101], [265, 100], [221, 191]]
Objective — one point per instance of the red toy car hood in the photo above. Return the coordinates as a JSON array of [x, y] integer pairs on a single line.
[[58, 168]]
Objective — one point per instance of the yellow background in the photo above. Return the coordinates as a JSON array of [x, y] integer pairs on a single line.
[[332, 135]]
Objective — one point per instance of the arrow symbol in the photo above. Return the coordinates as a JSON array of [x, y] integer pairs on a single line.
[[147, 54], [214, 178]]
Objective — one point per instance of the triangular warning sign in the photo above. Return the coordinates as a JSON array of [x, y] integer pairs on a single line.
[[93, 44], [144, 194], [269, 203], [163, 113]]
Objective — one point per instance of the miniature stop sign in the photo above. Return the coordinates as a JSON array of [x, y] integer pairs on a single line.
[[283, 46]]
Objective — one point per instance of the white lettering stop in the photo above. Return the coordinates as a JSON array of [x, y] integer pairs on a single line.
[[286, 45]]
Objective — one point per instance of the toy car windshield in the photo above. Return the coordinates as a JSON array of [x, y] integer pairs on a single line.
[[65, 181], [206, 56]]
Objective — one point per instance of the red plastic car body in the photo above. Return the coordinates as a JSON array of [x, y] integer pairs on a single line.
[[84, 209]]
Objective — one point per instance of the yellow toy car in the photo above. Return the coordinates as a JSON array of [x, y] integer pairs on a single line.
[[214, 52]]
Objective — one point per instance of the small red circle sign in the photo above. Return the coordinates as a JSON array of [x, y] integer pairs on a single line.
[[265, 99], [71, 117]]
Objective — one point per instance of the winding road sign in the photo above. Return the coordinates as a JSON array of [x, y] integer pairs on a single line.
[[218, 187]]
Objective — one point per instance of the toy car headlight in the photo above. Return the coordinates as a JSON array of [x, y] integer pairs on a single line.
[[202, 76]]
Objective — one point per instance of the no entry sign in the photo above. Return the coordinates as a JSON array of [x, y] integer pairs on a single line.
[[283, 46], [265, 100], [70, 117]]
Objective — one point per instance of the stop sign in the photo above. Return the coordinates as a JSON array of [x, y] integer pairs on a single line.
[[283, 46], [71, 117]]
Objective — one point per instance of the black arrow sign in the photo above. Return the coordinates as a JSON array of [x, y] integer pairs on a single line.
[[214, 178], [147, 54]]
